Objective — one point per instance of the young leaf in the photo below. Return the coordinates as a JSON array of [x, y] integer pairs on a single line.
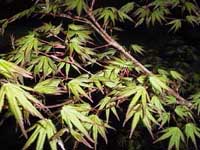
[[183, 112], [49, 86], [137, 48], [191, 130], [175, 24], [98, 127], [17, 98], [11, 70], [43, 129], [196, 101], [157, 84], [108, 105], [79, 5], [74, 117], [176, 75], [75, 86], [127, 7], [175, 135]]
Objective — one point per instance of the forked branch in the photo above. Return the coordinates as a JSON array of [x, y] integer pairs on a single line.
[[97, 27]]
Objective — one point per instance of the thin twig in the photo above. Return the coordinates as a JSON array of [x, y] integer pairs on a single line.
[[115, 44], [97, 27]]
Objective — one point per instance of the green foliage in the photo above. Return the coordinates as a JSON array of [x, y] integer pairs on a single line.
[[18, 98], [191, 131], [11, 70], [49, 86], [75, 116], [176, 137], [42, 129], [76, 74]]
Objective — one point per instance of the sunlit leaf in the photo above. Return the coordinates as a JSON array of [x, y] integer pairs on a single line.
[[175, 135], [98, 128], [73, 117], [49, 86], [191, 131], [176, 75], [79, 5], [137, 48], [175, 24], [17, 98], [157, 84], [76, 86], [183, 112], [11, 70], [43, 129]]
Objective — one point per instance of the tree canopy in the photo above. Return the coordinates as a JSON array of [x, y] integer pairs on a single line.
[[68, 82]]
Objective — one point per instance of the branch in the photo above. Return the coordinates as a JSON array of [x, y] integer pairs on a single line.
[[97, 27]]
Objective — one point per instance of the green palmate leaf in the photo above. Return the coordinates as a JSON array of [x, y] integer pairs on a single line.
[[98, 127], [50, 29], [175, 135], [123, 16], [196, 101], [75, 86], [192, 20], [127, 7], [175, 24], [26, 46], [191, 131], [67, 66], [78, 46], [108, 77], [157, 84], [44, 65], [142, 12], [135, 109], [43, 129], [128, 90], [137, 48], [159, 3], [80, 31], [156, 104], [176, 75], [11, 70], [124, 10], [56, 53], [158, 15], [80, 138], [108, 105], [170, 100], [164, 118], [190, 7], [49, 86], [141, 96], [183, 112], [108, 14], [74, 117], [97, 83], [79, 5], [120, 63], [18, 98], [138, 109]]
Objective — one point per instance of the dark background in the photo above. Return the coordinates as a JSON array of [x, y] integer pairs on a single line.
[[152, 38]]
